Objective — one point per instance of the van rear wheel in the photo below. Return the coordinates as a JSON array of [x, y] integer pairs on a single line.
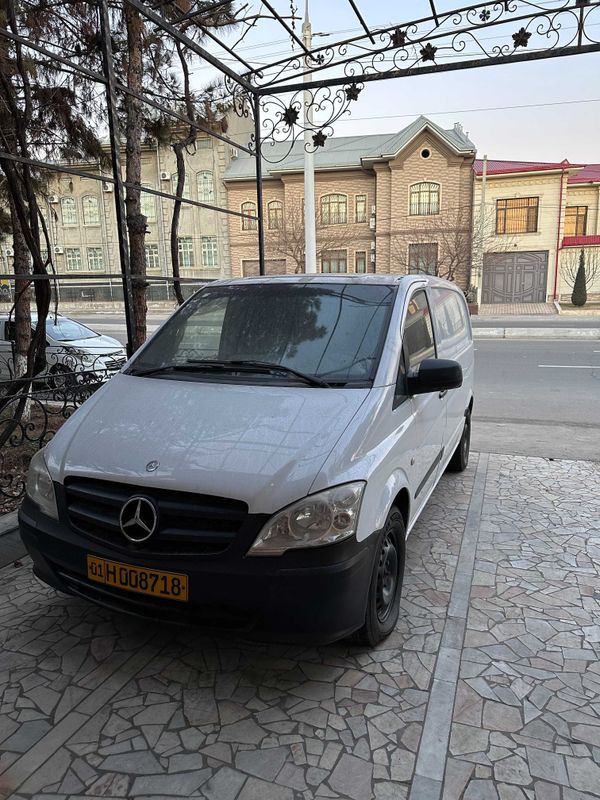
[[383, 603], [460, 457]]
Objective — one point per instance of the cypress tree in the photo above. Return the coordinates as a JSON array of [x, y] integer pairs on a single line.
[[579, 295]]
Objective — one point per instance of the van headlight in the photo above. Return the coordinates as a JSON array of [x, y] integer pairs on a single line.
[[319, 519], [39, 487]]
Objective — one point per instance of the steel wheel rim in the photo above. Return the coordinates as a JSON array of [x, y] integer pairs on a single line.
[[387, 577]]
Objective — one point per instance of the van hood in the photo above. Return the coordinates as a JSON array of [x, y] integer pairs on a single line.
[[102, 345], [261, 444]]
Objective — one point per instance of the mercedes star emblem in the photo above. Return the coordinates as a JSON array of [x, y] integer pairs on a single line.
[[138, 519], [152, 466]]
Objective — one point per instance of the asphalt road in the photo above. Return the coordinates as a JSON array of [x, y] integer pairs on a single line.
[[532, 398], [537, 398]]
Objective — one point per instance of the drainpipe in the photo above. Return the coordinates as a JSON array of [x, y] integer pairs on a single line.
[[558, 248]]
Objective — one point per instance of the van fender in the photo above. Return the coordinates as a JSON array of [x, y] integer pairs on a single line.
[[377, 502]]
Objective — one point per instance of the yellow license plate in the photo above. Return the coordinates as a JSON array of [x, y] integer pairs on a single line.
[[171, 585]]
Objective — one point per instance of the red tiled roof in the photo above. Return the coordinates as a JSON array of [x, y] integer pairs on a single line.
[[589, 174], [496, 167], [580, 241]]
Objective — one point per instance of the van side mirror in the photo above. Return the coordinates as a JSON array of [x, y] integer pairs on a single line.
[[434, 375]]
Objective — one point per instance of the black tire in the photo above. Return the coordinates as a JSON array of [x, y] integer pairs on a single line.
[[383, 603], [460, 457]]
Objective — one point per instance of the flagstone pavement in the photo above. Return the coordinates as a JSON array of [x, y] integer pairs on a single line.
[[489, 688]]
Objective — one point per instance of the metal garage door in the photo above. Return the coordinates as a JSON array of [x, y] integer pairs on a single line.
[[273, 266], [515, 277]]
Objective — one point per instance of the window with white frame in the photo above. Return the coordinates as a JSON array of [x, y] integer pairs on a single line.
[[334, 261], [360, 208], [73, 259], [152, 258], [206, 187], [249, 210], [95, 258], [334, 209], [210, 254], [186, 252], [275, 215], [68, 208], [148, 203], [424, 199], [186, 186], [91, 210]]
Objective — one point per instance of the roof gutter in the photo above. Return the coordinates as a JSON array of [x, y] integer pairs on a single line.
[[558, 247]]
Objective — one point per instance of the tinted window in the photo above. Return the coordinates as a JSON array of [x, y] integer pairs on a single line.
[[449, 314], [418, 339], [332, 331]]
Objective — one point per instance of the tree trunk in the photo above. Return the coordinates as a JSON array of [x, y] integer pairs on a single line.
[[178, 149], [136, 221], [21, 265]]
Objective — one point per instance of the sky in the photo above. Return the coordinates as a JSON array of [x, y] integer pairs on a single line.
[[541, 110]]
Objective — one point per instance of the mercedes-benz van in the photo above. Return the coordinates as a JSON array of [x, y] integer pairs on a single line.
[[259, 462]]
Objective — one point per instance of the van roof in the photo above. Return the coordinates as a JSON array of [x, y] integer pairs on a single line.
[[342, 277]]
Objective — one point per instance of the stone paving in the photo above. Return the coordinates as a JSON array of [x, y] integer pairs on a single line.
[[515, 309], [488, 688]]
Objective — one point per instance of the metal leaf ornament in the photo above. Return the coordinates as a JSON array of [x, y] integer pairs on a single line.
[[521, 38]]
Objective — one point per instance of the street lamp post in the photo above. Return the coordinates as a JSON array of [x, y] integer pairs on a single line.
[[310, 230]]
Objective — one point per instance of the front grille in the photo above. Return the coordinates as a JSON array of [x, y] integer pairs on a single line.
[[188, 523]]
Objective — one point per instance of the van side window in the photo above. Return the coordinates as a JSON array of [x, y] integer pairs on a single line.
[[417, 342], [417, 338], [449, 314]]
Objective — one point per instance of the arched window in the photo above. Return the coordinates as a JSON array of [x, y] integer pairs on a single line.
[[334, 209], [91, 210], [424, 199], [249, 209], [148, 203], [186, 187], [206, 189], [68, 208], [275, 213]]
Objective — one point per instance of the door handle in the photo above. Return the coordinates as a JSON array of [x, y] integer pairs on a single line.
[[443, 394]]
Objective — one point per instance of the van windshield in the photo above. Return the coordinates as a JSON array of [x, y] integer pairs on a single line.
[[331, 332]]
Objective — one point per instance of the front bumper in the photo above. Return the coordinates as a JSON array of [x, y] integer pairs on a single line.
[[317, 595]]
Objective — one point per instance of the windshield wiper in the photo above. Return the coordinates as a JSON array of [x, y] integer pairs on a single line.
[[259, 366]]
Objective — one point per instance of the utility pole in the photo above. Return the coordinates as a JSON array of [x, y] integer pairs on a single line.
[[310, 229], [481, 231]]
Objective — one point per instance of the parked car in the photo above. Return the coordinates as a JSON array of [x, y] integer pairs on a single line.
[[73, 351], [260, 461]]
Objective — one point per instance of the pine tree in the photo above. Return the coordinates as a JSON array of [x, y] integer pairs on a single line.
[[579, 296]]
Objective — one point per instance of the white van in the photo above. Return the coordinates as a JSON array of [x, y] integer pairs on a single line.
[[259, 462], [72, 349]]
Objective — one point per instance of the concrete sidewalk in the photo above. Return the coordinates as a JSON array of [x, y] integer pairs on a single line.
[[536, 333], [489, 688]]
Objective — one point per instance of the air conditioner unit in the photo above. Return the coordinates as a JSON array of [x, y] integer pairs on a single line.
[[165, 176], [372, 258], [58, 251], [53, 198], [233, 152], [107, 187], [372, 245], [373, 209], [372, 223]]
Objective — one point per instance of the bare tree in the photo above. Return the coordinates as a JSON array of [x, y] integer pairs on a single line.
[[287, 239], [569, 265]]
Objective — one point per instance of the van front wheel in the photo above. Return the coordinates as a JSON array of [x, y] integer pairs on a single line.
[[383, 603]]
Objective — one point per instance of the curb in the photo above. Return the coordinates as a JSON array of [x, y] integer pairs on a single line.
[[537, 333]]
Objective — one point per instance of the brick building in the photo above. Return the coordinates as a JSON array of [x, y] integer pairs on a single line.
[[391, 203]]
